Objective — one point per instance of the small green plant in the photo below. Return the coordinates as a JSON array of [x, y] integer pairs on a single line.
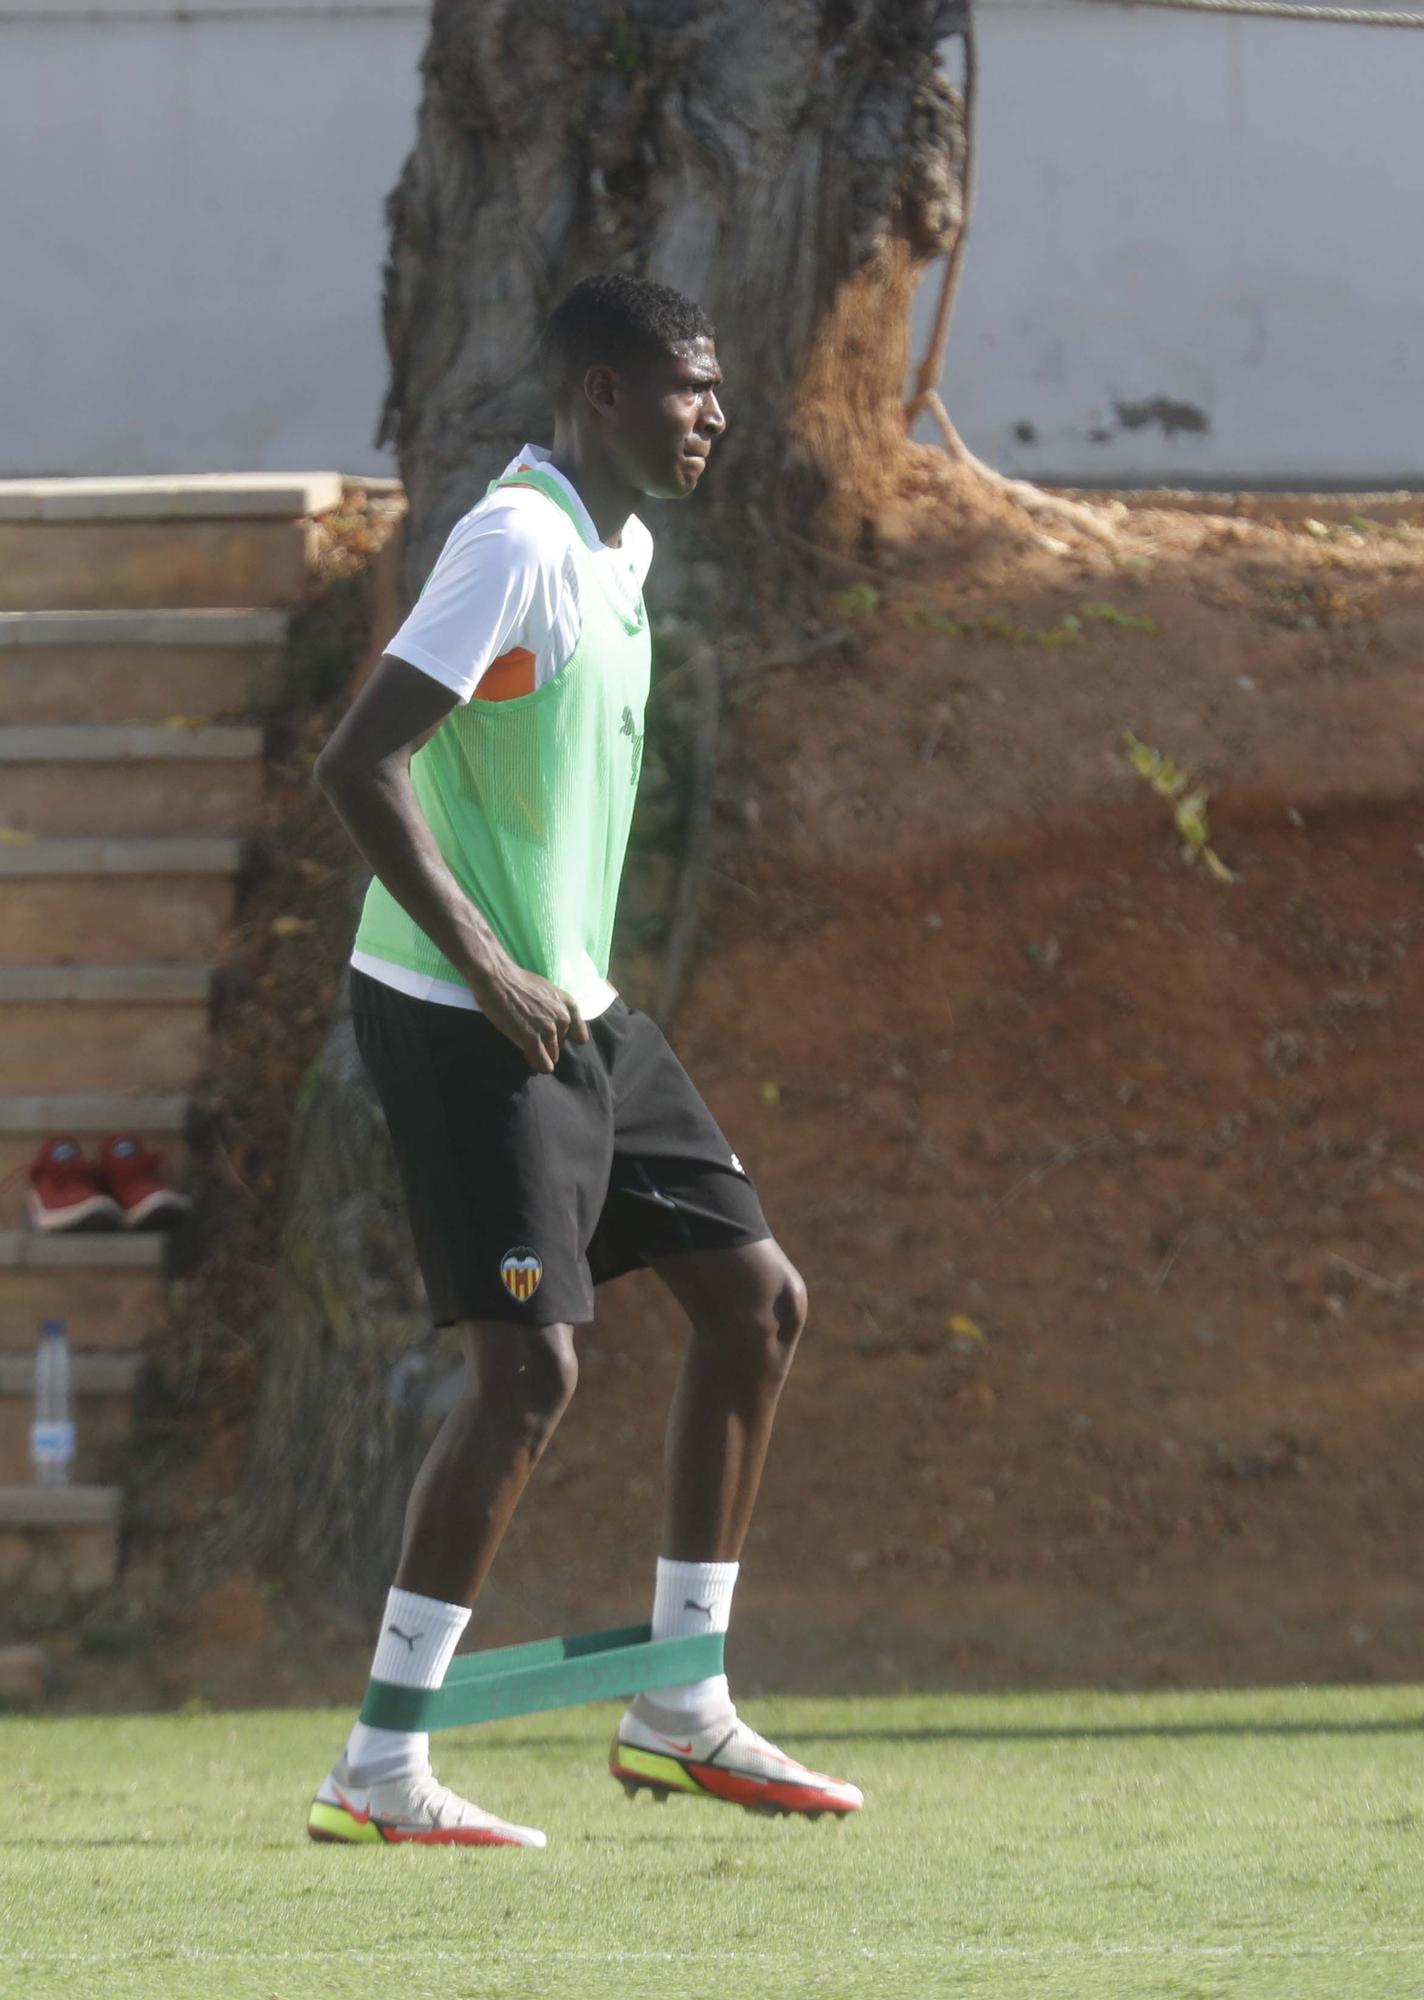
[[622, 52], [938, 621], [862, 600], [1188, 813], [993, 625], [1125, 621]]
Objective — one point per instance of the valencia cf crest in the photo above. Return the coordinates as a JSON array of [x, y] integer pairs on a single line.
[[521, 1270]]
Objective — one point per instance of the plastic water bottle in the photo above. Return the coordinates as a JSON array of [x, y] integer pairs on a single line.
[[52, 1432]]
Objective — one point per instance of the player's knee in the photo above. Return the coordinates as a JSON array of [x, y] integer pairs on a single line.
[[531, 1373], [753, 1316], [549, 1375], [788, 1317], [775, 1326]]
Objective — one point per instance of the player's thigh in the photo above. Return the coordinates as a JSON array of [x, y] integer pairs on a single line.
[[676, 1187], [501, 1169]]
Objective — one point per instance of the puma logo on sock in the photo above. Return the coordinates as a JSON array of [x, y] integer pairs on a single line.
[[410, 1637], [691, 1604]]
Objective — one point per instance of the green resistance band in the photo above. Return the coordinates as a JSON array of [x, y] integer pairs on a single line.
[[551, 1673]]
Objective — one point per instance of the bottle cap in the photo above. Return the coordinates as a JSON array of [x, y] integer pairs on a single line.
[[51, 1326]]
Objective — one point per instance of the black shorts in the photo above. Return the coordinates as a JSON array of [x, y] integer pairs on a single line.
[[526, 1190]]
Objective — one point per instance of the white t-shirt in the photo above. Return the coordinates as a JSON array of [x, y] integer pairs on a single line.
[[500, 616], [500, 613]]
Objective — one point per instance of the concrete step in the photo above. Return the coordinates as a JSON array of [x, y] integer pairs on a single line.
[[137, 666], [108, 1289], [58, 1544], [27, 1120], [120, 544], [114, 779], [103, 1027], [103, 1386], [108, 902]]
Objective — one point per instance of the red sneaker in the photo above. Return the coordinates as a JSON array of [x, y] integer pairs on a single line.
[[67, 1191], [131, 1174]]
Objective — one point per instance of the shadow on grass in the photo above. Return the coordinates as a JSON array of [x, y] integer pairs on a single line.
[[1048, 1733], [1391, 1726], [92, 1840]]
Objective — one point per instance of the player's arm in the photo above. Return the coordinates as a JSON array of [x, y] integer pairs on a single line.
[[365, 772]]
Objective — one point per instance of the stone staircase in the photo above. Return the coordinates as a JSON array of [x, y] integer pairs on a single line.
[[128, 779]]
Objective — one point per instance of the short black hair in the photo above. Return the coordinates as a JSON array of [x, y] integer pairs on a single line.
[[619, 321]]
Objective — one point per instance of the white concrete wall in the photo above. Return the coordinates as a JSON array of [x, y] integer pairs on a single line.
[[192, 233], [1219, 215]]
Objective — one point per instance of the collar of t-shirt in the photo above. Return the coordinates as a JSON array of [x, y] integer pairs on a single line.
[[632, 558], [500, 614]]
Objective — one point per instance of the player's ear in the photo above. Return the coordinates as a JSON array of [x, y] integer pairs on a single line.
[[598, 388]]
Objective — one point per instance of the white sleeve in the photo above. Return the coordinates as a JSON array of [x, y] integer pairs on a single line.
[[493, 588]]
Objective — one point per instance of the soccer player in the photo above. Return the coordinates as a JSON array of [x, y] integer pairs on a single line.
[[546, 1135]]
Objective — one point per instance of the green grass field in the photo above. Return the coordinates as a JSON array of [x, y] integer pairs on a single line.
[[1264, 1844]]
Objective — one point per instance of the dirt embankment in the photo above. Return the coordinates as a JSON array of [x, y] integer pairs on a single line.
[[1106, 1176], [999, 1055]]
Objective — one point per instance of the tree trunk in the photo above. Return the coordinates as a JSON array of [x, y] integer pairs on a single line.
[[353, 1372], [792, 167]]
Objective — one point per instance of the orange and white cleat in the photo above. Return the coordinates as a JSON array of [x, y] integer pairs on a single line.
[[414, 1811], [727, 1760]]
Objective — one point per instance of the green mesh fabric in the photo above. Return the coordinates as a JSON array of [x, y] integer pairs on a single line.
[[530, 801]]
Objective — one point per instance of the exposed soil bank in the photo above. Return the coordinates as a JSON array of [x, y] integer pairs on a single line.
[[1106, 1178]]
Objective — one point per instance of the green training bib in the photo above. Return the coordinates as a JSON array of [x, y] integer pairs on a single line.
[[531, 800]]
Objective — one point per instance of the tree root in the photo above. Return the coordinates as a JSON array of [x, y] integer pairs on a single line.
[[1044, 507], [1032, 499]]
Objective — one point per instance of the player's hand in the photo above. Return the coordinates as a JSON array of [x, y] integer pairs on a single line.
[[537, 1016]]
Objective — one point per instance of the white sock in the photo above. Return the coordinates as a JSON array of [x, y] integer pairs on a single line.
[[693, 1598], [418, 1640]]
